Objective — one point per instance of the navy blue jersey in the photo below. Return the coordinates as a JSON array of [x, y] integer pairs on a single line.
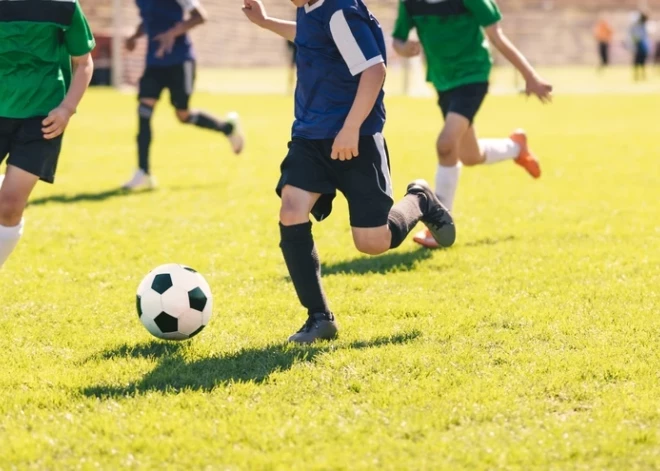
[[159, 16], [336, 41]]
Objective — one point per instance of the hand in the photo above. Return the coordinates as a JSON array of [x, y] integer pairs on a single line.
[[131, 43], [345, 146], [409, 49], [56, 122], [539, 87], [165, 43], [255, 11]]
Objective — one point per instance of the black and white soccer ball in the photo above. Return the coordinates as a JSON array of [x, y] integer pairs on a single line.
[[174, 302]]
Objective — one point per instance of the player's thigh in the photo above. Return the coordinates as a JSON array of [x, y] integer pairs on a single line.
[[450, 138], [181, 83], [470, 152], [305, 168], [151, 85], [460, 107], [366, 183], [32, 153]]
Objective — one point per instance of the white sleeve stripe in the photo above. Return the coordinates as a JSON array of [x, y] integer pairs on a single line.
[[346, 43], [188, 5], [358, 69]]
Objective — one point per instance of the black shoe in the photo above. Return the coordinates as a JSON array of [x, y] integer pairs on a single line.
[[319, 326], [436, 216]]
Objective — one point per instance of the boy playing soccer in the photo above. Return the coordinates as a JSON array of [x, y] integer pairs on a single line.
[[39, 42], [171, 65], [451, 33], [337, 144]]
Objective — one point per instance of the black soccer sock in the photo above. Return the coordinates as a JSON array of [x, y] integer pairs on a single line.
[[302, 260], [404, 216], [206, 121], [144, 136]]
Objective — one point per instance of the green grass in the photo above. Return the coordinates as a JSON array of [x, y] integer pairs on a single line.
[[531, 344]]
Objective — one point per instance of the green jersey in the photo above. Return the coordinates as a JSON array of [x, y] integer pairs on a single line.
[[451, 33], [37, 41]]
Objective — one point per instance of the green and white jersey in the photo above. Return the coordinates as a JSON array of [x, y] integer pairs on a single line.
[[451, 33], [37, 40]]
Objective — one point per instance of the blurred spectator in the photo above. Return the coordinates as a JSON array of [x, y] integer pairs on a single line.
[[656, 58], [639, 35], [603, 33]]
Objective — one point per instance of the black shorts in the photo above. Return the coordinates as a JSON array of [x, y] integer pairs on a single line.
[[178, 79], [641, 54], [23, 140], [365, 180], [464, 100]]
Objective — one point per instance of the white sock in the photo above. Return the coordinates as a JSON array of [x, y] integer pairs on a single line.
[[498, 150], [446, 183], [9, 237]]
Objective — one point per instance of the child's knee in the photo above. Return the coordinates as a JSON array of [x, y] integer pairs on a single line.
[[372, 243], [11, 210], [183, 116], [292, 212], [446, 149]]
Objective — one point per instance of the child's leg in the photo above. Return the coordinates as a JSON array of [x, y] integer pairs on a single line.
[[448, 148], [491, 151], [298, 248], [419, 204], [14, 194], [145, 113], [181, 82]]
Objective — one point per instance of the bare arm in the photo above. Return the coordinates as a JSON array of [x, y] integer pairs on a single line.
[[406, 48], [371, 83], [535, 84], [256, 13], [58, 119], [346, 143], [167, 39], [139, 31], [131, 42]]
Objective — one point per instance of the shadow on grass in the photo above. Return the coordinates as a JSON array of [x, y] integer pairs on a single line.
[[108, 194], [174, 373], [488, 241], [80, 197], [392, 261]]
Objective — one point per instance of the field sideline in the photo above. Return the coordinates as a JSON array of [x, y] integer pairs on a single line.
[[531, 344]]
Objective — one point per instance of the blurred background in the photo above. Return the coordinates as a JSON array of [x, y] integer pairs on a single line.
[[558, 36]]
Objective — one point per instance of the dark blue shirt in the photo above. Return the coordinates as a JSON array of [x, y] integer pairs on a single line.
[[159, 16], [336, 41]]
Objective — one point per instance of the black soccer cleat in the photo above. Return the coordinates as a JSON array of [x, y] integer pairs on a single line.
[[318, 326], [436, 215]]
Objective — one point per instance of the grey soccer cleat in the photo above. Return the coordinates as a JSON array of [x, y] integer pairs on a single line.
[[318, 326], [436, 216]]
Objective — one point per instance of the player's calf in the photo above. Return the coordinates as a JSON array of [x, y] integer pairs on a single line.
[[230, 127]]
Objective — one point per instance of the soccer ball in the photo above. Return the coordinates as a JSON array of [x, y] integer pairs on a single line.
[[174, 302]]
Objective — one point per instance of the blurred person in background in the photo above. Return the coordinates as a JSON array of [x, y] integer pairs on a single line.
[[603, 33], [46, 66], [641, 44], [454, 37], [171, 65]]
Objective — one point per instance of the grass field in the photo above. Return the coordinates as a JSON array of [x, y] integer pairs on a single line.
[[531, 344]]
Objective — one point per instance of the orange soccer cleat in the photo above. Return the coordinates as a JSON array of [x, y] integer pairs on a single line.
[[526, 159]]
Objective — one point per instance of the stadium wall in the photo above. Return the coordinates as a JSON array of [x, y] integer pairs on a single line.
[[550, 32]]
